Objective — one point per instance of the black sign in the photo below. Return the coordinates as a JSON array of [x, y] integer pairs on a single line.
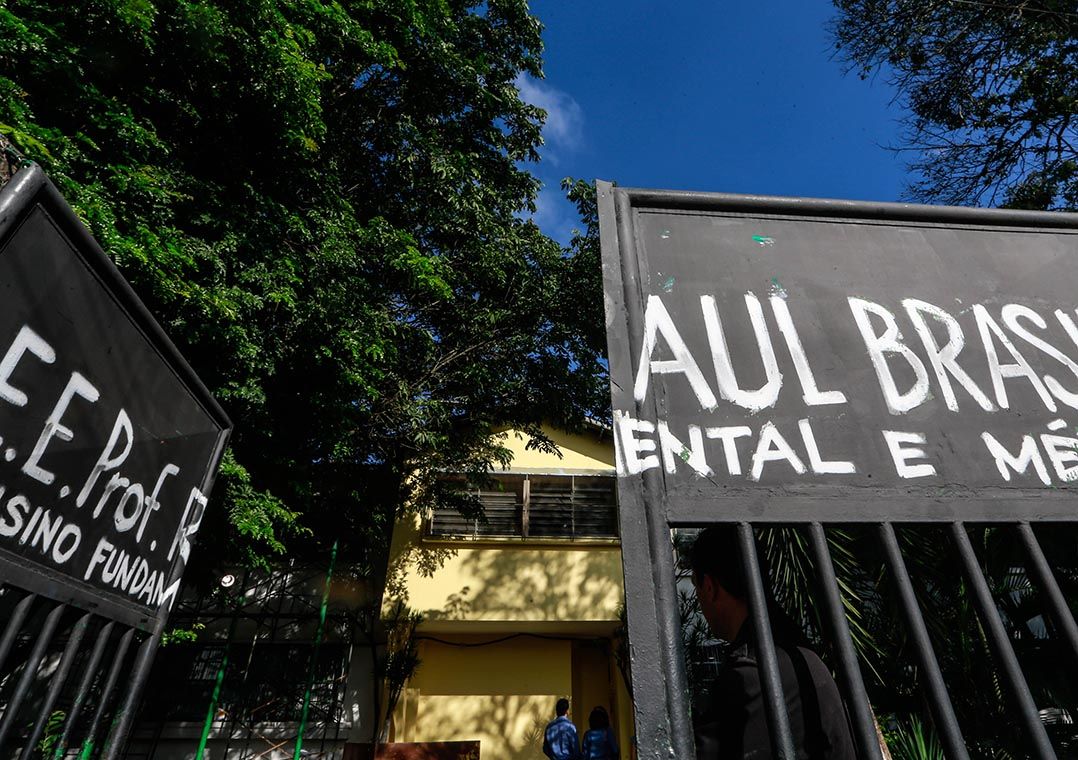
[[797, 359], [109, 442], [812, 361]]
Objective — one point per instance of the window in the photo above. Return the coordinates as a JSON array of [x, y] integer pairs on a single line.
[[538, 506]]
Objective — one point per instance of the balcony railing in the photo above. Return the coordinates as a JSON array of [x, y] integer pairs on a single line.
[[537, 506]]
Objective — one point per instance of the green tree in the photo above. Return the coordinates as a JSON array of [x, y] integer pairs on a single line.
[[326, 205], [990, 92]]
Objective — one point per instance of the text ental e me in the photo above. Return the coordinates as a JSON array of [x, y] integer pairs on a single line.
[[931, 359]]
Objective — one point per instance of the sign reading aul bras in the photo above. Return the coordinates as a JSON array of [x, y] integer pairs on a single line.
[[108, 443], [915, 368]]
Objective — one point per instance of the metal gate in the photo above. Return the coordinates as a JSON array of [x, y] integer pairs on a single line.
[[108, 448], [816, 363]]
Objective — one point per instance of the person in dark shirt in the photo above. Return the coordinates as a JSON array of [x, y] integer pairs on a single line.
[[599, 742], [559, 739], [733, 724]]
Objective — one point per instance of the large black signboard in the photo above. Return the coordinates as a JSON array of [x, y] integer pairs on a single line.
[[108, 441], [810, 361], [787, 359]]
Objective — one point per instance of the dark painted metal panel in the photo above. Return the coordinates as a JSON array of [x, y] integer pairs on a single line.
[[923, 363], [107, 439], [841, 308], [652, 714], [109, 444]]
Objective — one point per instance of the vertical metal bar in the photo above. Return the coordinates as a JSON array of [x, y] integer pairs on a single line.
[[664, 583], [14, 623], [11, 712], [1042, 573], [942, 711], [782, 740], [314, 654], [856, 697], [525, 495], [572, 504], [59, 678], [667, 728], [646, 613], [475, 522], [125, 718], [1001, 645], [106, 693], [83, 691]]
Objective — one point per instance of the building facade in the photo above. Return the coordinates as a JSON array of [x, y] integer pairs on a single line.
[[518, 609]]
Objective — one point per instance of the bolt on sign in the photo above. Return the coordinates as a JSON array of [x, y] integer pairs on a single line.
[[812, 361], [108, 443]]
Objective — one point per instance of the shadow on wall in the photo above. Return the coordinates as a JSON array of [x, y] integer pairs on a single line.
[[424, 559], [507, 726], [533, 583]]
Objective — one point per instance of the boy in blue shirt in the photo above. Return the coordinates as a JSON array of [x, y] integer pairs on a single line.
[[559, 740]]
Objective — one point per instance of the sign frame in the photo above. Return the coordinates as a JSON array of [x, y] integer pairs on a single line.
[[648, 512], [31, 190]]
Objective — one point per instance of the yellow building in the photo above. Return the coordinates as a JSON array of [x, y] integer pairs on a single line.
[[519, 609]]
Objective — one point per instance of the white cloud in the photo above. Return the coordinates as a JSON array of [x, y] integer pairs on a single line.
[[555, 215], [563, 130], [563, 135]]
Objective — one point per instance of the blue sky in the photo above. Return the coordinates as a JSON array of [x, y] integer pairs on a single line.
[[733, 96]]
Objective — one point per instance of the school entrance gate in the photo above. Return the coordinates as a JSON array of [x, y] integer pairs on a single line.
[[822, 363], [108, 448]]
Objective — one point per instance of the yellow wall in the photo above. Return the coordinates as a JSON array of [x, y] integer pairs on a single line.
[[502, 695], [509, 580], [549, 584], [592, 686], [591, 452]]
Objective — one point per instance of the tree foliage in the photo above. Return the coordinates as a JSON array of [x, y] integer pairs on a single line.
[[991, 92], [326, 205]]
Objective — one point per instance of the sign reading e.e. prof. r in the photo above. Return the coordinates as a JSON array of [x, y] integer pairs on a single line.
[[106, 449], [928, 370]]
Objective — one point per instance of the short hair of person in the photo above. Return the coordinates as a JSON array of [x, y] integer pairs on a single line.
[[598, 718], [561, 707], [717, 553]]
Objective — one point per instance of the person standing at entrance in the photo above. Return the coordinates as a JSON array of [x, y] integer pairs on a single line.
[[734, 725], [599, 741], [560, 741]]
